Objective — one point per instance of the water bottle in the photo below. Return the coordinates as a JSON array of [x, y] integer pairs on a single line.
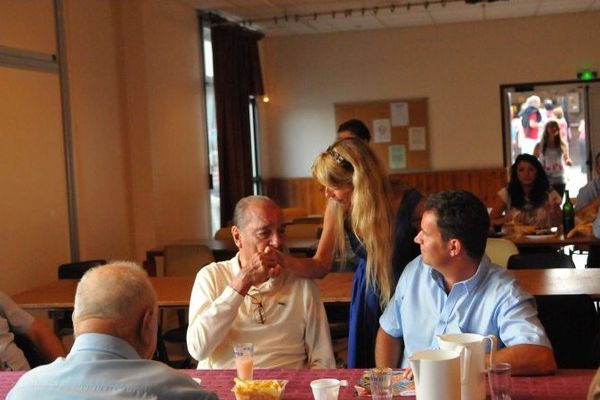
[[568, 213]]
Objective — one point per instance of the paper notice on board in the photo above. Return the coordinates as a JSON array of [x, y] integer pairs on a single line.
[[399, 113], [382, 131], [397, 156], [416, 138]]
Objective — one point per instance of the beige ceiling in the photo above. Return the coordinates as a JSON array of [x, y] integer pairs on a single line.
[[317, 16]]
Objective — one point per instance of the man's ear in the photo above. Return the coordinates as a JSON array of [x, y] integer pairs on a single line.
[[455, 247], [237, 236], [149, 332]]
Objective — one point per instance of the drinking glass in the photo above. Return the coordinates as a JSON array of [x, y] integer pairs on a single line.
[[244, 363], [500, 384], [381, 383]]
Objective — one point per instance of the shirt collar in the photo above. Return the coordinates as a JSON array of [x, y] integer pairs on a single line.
[[471, 283], [106, 343]]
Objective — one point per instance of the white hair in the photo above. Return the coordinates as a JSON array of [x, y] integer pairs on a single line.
[[118, 291], [534, 101]]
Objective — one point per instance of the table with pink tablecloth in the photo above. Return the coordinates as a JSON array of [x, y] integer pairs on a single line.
[[564, 385]]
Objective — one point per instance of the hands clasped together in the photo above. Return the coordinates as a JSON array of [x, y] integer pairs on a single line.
[[261, 266]]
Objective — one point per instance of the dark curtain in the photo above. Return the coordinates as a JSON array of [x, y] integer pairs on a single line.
[[237, 76]]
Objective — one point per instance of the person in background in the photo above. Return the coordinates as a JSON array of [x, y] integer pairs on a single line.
[[516, 132], [546, 113], [563, 124], [530, 119], [582, 145], [553, 153], [251, 299], [454, 288], [588, 197], [360, 207], [586, 209], [115, 320], [14, 320], [354, 128], [406, 228], [528, 199]]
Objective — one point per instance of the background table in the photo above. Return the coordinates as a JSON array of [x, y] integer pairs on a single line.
[[565, 385], [336, 287], [226, 249]]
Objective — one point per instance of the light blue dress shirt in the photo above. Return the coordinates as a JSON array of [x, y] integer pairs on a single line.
[[489, 303], [588, 193], [105, 367]]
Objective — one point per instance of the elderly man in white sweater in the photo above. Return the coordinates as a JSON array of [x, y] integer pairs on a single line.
[[250, 298]]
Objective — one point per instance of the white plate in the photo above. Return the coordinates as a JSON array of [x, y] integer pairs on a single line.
[[198, 380], [540, 237]]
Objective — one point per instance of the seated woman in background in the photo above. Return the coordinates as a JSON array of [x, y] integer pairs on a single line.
[[553, 153], [528, 199]]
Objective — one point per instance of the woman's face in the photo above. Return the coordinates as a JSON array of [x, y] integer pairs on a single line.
[[553, 129], [341, 195], [526, 173]]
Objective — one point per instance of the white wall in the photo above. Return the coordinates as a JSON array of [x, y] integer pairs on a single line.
[[138, 136], [458, 67]]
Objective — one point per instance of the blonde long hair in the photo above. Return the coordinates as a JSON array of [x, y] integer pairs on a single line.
[[352, 163]]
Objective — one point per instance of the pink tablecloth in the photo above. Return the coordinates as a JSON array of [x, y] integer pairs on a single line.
[[565, 385]]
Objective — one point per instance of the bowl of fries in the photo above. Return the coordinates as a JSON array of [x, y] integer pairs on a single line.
[[258, 389]]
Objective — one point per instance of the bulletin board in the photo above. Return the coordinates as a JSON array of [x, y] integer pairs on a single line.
[[399, 130]]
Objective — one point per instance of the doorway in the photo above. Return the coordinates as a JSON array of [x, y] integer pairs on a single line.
[[574, 104]]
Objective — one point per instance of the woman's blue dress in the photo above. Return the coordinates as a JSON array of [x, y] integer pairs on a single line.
[[365, 309]]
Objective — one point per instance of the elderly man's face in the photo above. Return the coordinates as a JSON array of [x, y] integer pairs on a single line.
[[264, 227]]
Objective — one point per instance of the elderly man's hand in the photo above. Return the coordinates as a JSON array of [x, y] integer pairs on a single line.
[[261, 266]]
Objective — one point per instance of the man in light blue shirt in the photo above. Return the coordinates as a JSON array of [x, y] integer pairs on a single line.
[[453, 288], [115, 321], [586, 209], [589, 195]]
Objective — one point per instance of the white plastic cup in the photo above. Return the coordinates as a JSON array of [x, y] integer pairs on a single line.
[[244, 362], [327, 389]]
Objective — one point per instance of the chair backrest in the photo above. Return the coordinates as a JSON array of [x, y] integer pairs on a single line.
[[499, 250], [224, 234], [540, 261], [29, 350], [75, 270], [187, 259], [291, 213], [571, 323], [315, 219], [302, 231]]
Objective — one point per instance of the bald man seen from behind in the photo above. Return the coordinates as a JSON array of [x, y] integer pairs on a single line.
[[115, 321]]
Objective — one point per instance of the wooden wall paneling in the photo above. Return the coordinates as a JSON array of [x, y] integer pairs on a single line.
[[308, 193]]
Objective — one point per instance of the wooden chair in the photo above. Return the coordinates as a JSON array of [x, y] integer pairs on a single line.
[[224, 234], [315, 219], [63, 324], [499, 250], [303, 231], [181, 260], [291, 213], [571, 323], [540, 261], [30, 350]]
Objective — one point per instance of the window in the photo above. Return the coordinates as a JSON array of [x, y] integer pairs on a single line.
[[212, 131]]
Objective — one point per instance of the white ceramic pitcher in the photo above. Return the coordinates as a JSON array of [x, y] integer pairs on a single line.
[[471, 346], [437, 374]]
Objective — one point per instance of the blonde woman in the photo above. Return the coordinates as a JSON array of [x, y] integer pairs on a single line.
[[553, 153], [359, 205]]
